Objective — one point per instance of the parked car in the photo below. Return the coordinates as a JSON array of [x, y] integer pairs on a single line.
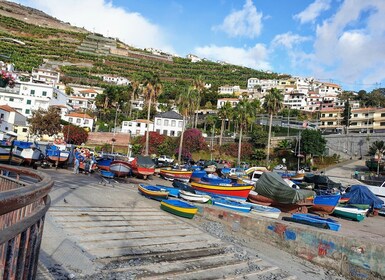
[[165, 160]]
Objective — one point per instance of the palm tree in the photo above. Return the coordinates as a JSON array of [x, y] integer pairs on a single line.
[[185, 108], [224, 114], [245, 114], [272, 104], [136, 90], [199, 86], [151, 90]]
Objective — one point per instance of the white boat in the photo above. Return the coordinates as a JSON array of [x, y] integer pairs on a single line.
[[379, 191], [189, 196], [263, 211]]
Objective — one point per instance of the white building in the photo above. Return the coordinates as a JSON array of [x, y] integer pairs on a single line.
[[27, 96], [229, 90], [10, 119], [137, 127], [80, 119], [169, 123], [222, 101], [194, 58], [48, 76], [328, 89], [117, 80]]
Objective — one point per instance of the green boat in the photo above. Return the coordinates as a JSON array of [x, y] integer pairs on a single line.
[[179, 208], [350, 213]]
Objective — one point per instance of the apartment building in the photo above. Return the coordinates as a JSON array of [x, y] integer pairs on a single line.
[[46, 75], [137, 127], [80, 119]]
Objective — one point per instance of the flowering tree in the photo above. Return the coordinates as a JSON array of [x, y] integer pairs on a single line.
[[6, 79], [74, 134]]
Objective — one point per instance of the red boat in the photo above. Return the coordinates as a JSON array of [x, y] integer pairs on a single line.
[[235, 191], [142, 166], [120, 168], [178, 174]]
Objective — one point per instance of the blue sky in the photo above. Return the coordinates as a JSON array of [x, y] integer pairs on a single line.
[[339, 41]]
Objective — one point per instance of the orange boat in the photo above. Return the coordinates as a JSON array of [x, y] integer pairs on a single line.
[[142, 166], [176, 174]]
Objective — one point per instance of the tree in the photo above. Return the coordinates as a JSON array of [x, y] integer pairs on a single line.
[[245, 114], [184, 107], [376, 146], [152, 89], [74, 134], [45, 122], [199, 86], [312, 142], [224, 114], [346, 115], [135, 92], [69, 90], [156, 140], [272, 104]]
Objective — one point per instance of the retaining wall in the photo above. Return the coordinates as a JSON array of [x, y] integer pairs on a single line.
[[354, 258]]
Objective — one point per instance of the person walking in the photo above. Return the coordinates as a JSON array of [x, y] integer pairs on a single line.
[[76, 165]]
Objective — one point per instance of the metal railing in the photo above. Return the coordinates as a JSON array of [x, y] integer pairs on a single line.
[[24, 201]]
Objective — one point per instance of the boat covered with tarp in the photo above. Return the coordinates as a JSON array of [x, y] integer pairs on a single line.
[[272, 186], [361, 195], [142, 166]]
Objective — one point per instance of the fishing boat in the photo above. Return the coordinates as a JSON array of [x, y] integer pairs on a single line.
[[120, 168], [153, 192], [215, 179], [231, 204], [7, 155], [263, 210], [314, 220], [193, 197], [29, 151], [235, 190], [197, 174], [179, 208], [210, 169], [57, 153], [183, 186], [171, 190], [324, 204], [350, 213], [107, 174], [142, 166], [254, 197], [104, 161], [183, 175]]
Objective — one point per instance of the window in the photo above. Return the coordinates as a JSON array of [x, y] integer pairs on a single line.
[[355, 115], [86, 121], [78, 120], [165, 122], [29, 102], [80, 102], [138, 124], [158, 122], [27, 111], [158, 130], [330, 123], [330, 115], [32, 92], [164, 132], [382, 123], [180, 124], [382, 114], [44, 93], [179, 133], [2, 116], [11, 99], [70, 120], [25, 129], [172, 133], [173, 123]]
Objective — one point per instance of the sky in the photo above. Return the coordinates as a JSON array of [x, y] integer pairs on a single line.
[[336, 41]]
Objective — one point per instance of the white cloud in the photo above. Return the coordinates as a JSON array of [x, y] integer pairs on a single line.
[[246, 22], [103, 17], [313, 11], [350, 44], [255, 57], [288, 40]]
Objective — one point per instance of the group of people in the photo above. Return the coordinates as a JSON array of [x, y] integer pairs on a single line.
[[83, 159]]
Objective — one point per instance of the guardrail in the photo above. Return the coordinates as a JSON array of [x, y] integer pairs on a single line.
[[24, 201]]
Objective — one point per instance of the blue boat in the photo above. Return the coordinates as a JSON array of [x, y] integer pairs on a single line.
[[230, 204], [171, 190], [314, 220], [104, 162], [197, 174], [325, 204], [107, 174], [215, 180]]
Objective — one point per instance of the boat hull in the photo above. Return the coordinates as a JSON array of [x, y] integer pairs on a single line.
[[179, 208], [325, 204], [153, 192], [172, 175], [349, 213], [236, 191], [120, 168], [201, 198], [232, 205]]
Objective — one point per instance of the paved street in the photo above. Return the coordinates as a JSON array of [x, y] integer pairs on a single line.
[[100, 230]]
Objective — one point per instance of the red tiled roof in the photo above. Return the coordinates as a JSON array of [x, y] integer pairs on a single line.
[[7, 108], [79, 115], [88, 91]]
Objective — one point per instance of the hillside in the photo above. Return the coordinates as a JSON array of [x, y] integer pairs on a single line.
[[82, 56]]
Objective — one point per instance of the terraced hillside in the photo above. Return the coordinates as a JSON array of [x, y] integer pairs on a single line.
[[82, 56]]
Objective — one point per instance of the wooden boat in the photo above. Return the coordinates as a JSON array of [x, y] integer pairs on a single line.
[[254, 197], [171, 190], [120, 168], [197, 174], [314, 220], [210, 169], [193, 197], [324, 204], [179, 208], [142, 166], [107, 174], [231, 204], [263, 210], [104, 162], [214, 179], [57, 153], [176, 174], [29, 151], [7, 156], [350, 213], [183, 186], [153, 192], [235, 191]]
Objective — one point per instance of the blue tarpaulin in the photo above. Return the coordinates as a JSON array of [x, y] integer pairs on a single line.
[[359, 194]]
